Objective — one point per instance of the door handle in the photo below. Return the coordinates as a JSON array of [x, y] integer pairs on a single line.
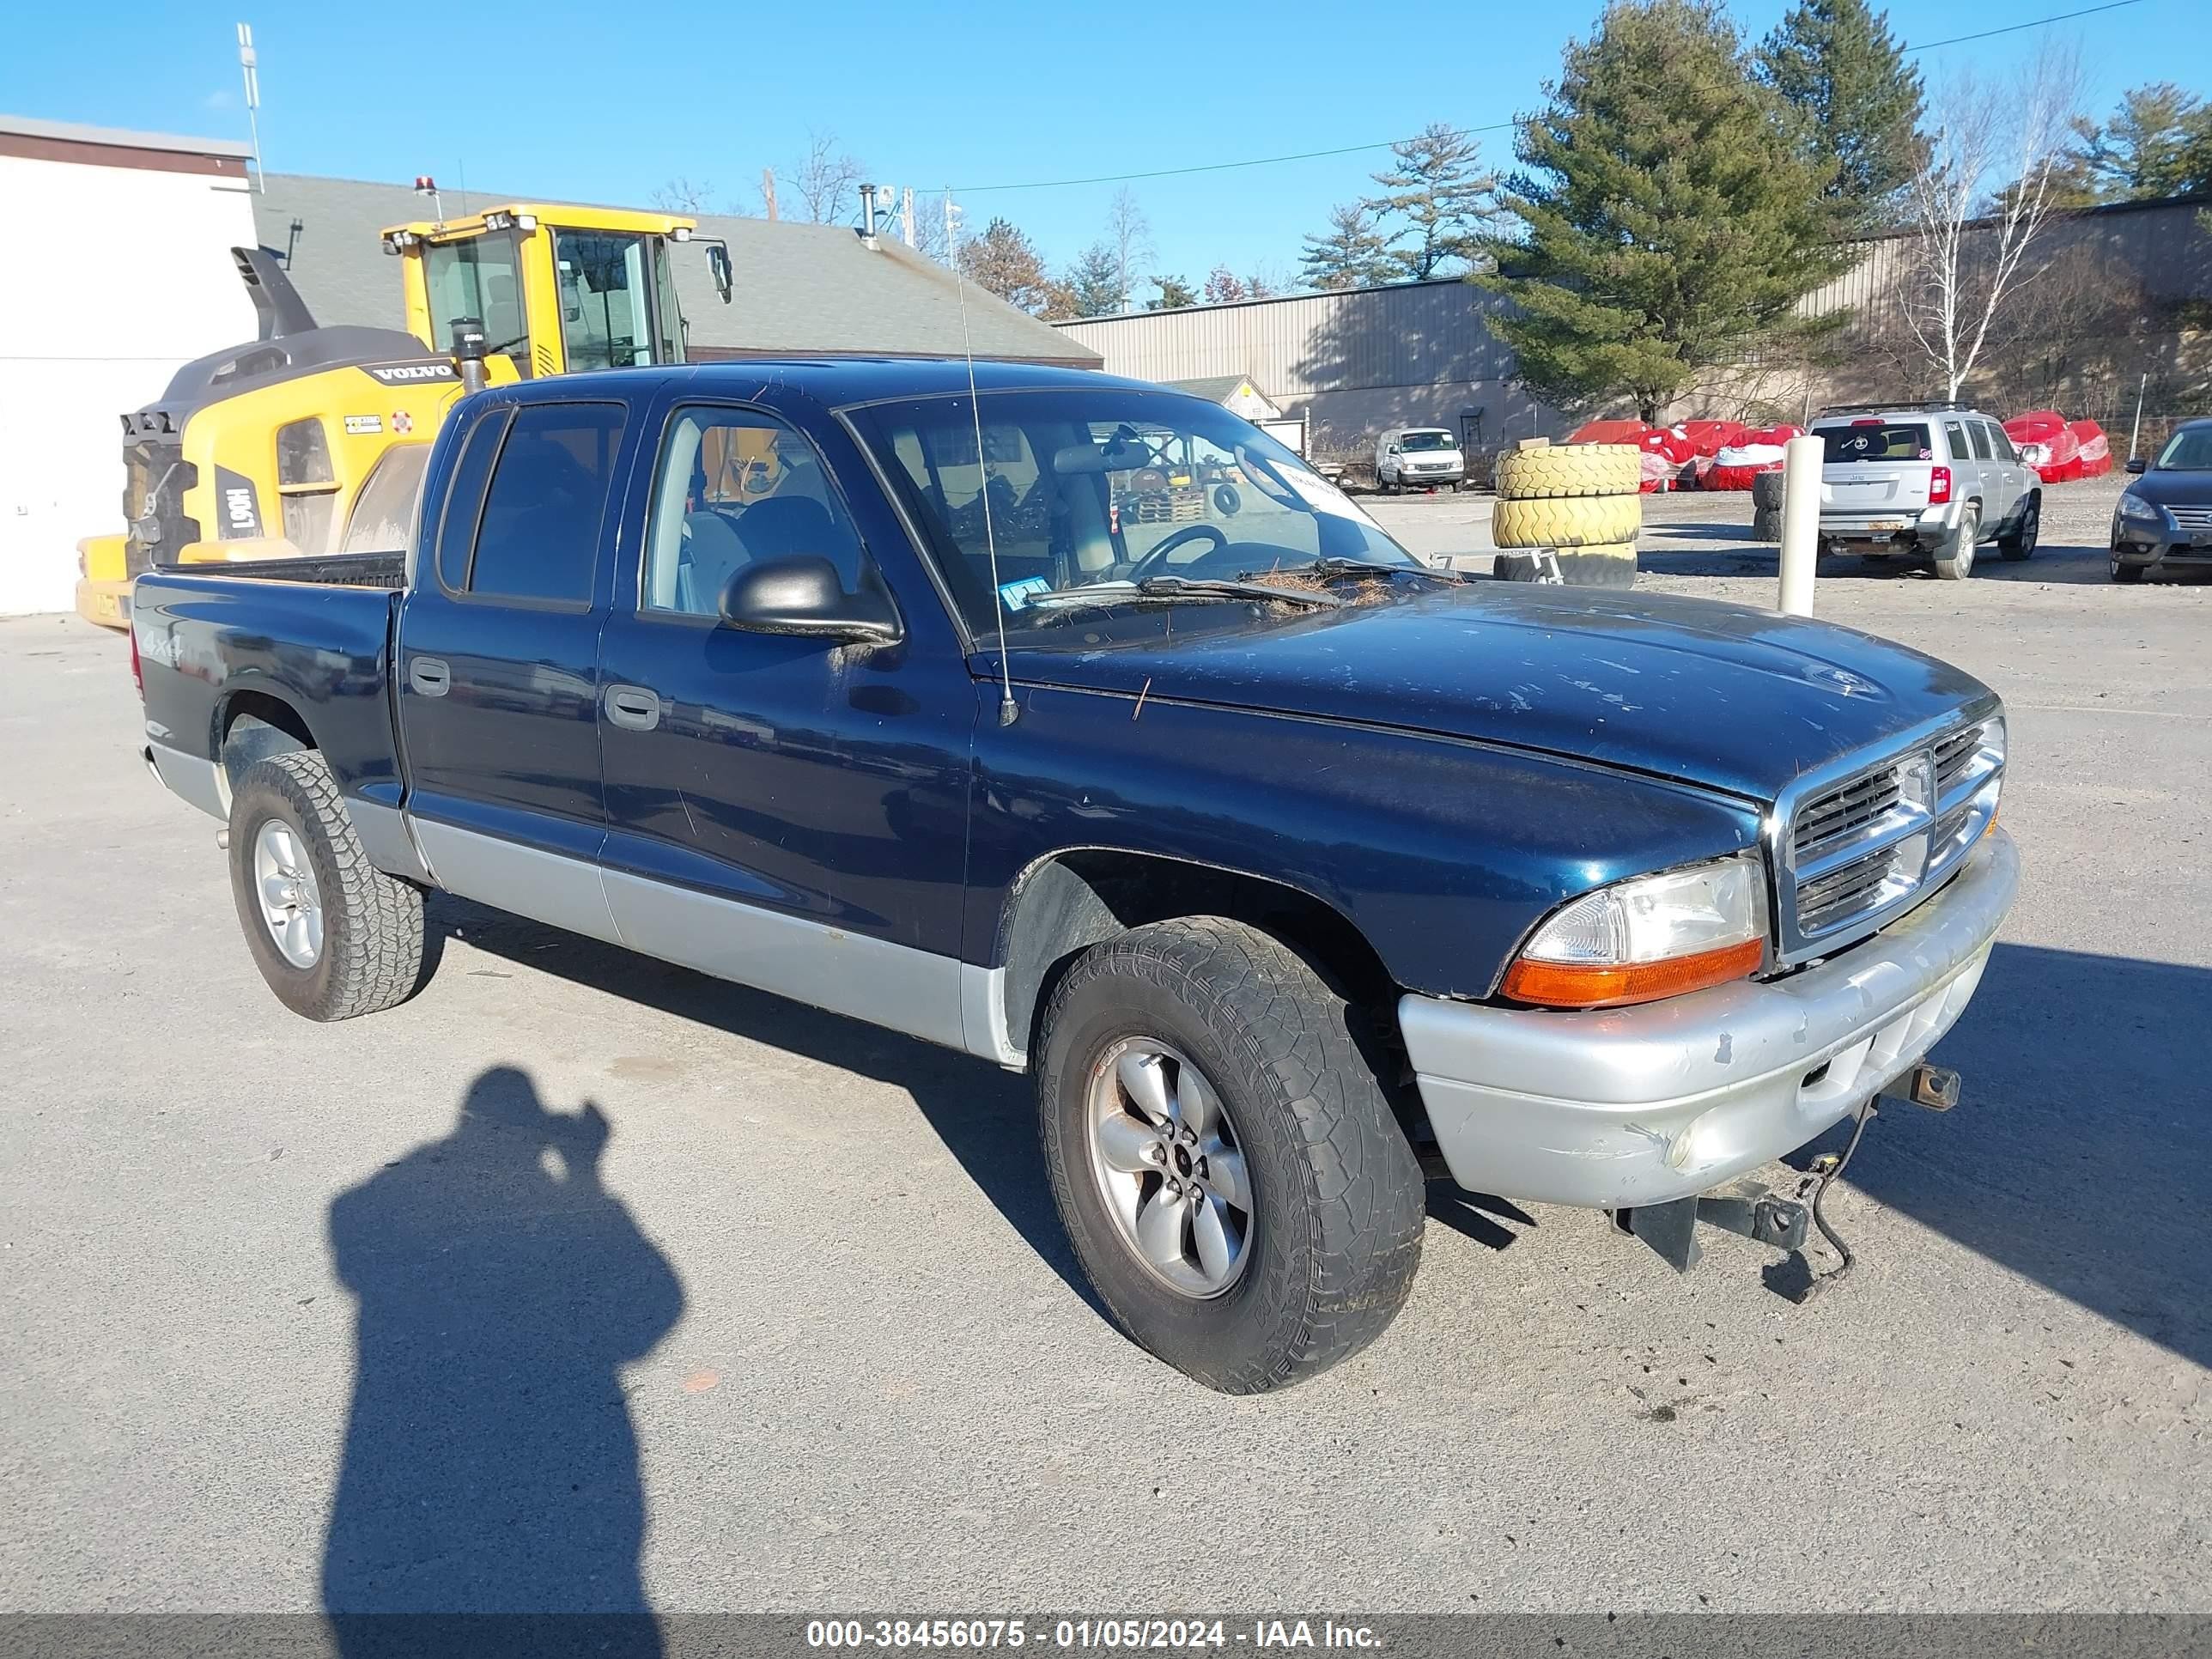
[[430, 676], [633, 706]]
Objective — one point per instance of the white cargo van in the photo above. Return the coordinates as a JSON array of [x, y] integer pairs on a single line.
[[1418, 458]]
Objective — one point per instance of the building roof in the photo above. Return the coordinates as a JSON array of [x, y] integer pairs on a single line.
[[1214, 387], [797, 289], [74, 132]]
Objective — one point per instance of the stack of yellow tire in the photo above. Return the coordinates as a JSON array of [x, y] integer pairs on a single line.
[[1577, 500]]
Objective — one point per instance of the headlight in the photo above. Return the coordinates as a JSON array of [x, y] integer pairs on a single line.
[[2135, 509], [1651, 937]]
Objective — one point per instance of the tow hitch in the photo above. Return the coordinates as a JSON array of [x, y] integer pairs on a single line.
[[1752, 1210]]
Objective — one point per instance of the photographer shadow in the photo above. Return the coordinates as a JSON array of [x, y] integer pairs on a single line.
[[490, 1470]]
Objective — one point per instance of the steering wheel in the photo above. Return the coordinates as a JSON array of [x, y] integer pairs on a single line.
[[1147, 567]]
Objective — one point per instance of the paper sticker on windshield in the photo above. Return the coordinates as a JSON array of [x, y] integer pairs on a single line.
[[1015, 595], [1319, 494]]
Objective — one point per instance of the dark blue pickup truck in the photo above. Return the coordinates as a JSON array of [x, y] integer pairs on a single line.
[[1075, 723]]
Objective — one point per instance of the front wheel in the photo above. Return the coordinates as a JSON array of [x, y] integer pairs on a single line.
[[2125, 573], [1225, 1161], [332, 934]]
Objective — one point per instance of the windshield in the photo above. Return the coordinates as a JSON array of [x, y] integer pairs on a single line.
[[2189, 450], [1412, 441], [1878, 441], [1088, 487]]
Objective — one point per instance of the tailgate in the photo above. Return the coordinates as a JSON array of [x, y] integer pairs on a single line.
[[1863, 487]]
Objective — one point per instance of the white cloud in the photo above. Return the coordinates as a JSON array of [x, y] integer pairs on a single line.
[[220, 100]]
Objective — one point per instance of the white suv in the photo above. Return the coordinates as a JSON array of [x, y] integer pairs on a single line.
[[1934, 479]]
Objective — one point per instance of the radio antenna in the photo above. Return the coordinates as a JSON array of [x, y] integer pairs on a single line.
[[1008, 710]]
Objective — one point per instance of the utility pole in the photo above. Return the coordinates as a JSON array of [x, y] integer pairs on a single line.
[[249, 65], [906, 217], [768, 190]]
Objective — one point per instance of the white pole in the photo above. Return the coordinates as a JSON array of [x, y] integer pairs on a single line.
[[2136, 431], [1802, 460]]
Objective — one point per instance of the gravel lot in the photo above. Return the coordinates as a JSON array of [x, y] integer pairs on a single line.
[[818, 1267]]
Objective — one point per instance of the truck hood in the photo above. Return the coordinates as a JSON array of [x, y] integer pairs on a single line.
[[1715, 695]]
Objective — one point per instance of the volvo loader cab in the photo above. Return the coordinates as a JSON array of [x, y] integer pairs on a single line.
[[310, 440]]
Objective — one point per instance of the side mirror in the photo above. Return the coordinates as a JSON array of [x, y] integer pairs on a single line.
[[717, 265], [1394, 450], [2137, 463], [803, 595]]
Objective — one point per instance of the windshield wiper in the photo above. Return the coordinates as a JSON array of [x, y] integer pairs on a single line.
[[1176, 590]]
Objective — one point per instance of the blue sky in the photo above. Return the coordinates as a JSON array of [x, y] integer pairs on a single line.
[[606, 102]]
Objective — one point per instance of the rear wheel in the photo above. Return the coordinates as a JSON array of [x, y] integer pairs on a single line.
[[332, 934], [2019, 542], [1955, 557], [1226, 1165]]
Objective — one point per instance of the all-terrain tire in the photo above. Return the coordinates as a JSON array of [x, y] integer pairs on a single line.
[[1338, 1197], [1561, 472], [1766, 524], [1567, 521], [372, 953], [1767, 493], [1955, 557]]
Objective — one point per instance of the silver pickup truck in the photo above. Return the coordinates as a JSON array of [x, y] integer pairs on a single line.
[[1936, 480]]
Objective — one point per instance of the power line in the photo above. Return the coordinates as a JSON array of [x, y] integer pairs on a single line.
[[2014, 28], [1222, 167], [1494, 126]]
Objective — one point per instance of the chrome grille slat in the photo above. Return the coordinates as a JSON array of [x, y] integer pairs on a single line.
[[2192, 518], [1858, 850]]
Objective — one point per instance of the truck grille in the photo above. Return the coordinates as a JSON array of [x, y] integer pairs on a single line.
[[1861, 848]]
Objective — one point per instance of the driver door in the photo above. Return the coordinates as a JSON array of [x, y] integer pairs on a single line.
[[783, 811]]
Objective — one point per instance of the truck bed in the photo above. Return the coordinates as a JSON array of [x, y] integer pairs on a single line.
[[384, 570], [219, 640]]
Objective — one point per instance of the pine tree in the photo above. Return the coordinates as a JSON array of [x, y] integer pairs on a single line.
[[1174, 294], [2158, 144], [1094, 281], [1352, 254], [1858, 103], [1438, 189], [1672, 220]]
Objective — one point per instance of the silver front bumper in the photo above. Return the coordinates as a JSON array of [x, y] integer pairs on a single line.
[[1633, 1106]]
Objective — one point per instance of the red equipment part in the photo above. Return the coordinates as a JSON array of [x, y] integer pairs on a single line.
[[2047, 443], [2096, 456]]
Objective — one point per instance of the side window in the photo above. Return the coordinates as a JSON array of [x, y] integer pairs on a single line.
[[1980, 432], [736, 487], [540, 536], [2000, 445], [1957, 433], [457, 529]]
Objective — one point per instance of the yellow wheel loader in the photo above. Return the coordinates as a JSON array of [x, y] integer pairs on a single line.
[[310, 440]]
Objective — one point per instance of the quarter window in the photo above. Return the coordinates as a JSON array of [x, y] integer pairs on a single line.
[[738, 487], [457, 529], [539, 537], [1957, 433]]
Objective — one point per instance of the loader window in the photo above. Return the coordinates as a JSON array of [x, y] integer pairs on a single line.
[[606, 319], [480, 276]]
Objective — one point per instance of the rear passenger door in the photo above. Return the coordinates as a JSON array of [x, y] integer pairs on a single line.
[[498, 662], [1989, 487]]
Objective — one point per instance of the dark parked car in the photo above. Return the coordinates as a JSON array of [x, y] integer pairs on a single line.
[[2164, 520], [1079, 724]]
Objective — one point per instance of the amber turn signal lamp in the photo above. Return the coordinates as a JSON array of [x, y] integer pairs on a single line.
[[1613, 984]]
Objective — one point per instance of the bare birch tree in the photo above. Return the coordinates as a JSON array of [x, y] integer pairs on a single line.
[[1130, 236], [1976, 208], [826, 182]]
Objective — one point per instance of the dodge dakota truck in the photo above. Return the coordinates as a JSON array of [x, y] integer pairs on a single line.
[[1075, 723]]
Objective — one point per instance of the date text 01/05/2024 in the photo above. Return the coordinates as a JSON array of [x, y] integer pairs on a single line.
[[1117, 1634]]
